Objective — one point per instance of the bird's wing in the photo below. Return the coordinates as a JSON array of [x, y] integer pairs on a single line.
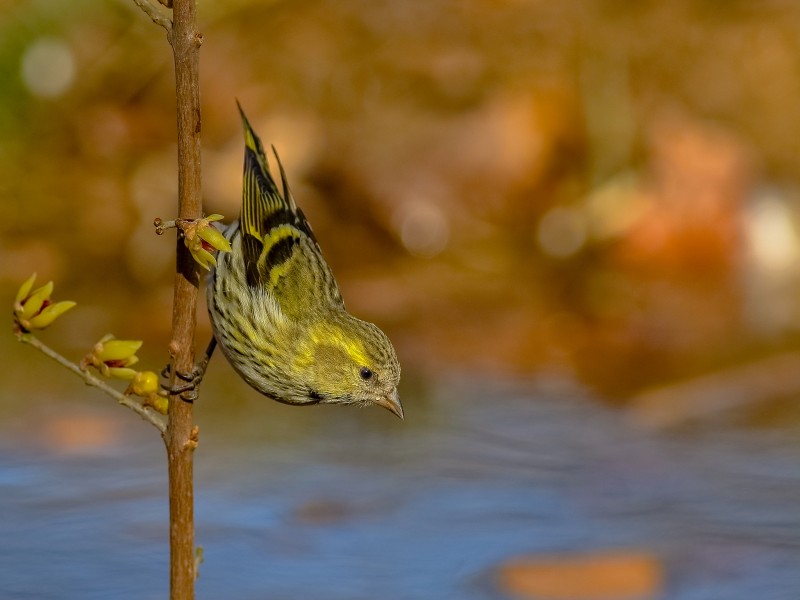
[[280, 250]]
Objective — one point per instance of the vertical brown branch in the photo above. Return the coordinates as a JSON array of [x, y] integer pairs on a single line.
[[181, 437]]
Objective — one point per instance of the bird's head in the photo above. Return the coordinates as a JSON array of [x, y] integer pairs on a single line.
[[349, 361]]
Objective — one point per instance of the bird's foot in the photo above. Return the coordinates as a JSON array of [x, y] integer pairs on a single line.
[[192, 380], [185, 382]]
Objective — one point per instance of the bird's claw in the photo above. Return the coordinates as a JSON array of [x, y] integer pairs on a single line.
[[190, 380]]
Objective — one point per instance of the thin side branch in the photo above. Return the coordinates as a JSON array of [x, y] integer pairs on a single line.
[[90, 379], [152, 11]]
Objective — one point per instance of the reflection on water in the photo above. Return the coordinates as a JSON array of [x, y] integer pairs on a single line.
[[336, 504]]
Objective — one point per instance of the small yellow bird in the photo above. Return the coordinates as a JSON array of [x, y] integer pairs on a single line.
[[277, 312]]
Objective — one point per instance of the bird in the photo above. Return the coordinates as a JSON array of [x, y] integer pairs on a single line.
[[276, 309]]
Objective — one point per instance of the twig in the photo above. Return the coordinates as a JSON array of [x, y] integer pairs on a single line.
[[152, 11], [181, 437], [181, 434], [90, 379]]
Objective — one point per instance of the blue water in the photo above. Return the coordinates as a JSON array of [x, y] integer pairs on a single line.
[[344, 504]]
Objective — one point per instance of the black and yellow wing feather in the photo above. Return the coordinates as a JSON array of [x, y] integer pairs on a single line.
[[279, 248]]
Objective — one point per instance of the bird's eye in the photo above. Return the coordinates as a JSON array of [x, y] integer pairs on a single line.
[[365, 373]]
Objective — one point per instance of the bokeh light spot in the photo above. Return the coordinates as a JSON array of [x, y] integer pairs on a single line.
[[562, 231], [423, 228], [48, 67], [773, 238]]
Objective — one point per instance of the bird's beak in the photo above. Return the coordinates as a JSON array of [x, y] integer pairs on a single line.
[[391, 403]]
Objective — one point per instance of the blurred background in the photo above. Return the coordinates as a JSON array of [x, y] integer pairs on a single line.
[[579, 222]]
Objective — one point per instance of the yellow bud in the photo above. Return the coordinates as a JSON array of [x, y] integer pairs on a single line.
[[145, 383], [24, 290], [202, 238], [33, 303], [202, 257], [112, 357], [159, 403], [34, 309], [118, 372], [49, 314], [118, 350], [213, 236]]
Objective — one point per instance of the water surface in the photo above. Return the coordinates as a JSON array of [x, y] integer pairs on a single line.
[[335, 504]]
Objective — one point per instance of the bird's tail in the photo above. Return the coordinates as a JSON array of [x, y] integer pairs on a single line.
[[268, 215]]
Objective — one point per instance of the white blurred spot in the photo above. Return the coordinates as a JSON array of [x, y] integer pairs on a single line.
[[562, 231], [423, 228], [772, 267], [48, 67], [773, 239]]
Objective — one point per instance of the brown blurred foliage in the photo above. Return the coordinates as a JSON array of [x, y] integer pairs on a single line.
[[504, 185]]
